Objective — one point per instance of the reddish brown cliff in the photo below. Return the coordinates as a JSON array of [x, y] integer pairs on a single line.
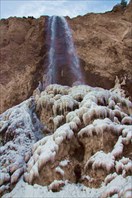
[[104, 45], [22, 55]]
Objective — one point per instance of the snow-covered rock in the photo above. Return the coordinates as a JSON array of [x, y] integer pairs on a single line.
[[20, 129], [87, 138]]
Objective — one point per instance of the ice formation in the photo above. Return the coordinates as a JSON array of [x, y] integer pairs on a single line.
[[84, 136], [19, 130], [118, 86]]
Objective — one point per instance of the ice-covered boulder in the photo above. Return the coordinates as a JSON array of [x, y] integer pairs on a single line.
[[90, 129]]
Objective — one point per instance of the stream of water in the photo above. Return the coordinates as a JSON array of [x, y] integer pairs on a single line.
[[63, 64]]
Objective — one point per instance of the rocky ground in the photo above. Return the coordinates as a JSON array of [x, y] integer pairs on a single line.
[[103, 43]]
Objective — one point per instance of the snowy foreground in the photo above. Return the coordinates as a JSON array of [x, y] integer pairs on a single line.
[[67, 142], [24, 190]]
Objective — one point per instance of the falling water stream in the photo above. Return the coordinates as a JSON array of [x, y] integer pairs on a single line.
[[63, 64]]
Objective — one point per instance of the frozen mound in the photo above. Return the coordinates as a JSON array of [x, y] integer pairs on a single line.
[[84, 137], [91, 128], [19, 130]]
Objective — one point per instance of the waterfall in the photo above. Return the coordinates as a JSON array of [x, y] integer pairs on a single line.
[[71, 48], [48, 77], [63, 64]]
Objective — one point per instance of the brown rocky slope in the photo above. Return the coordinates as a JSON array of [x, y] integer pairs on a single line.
[[103, 43], [22, 55]]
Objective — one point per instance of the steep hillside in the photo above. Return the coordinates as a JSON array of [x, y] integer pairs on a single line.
[[22, 57], [104, 45]]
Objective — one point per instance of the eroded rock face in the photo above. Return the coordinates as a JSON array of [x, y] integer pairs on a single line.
[[103, 43], [104, 46], [22, 54], [85, 137]]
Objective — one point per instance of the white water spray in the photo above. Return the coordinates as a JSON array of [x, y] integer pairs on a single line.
[[49, 74], [71, 48], [63, 64]]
